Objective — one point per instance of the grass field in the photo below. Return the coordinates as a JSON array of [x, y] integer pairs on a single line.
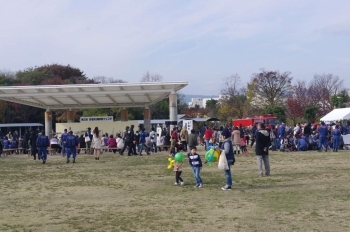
[[307, 191]]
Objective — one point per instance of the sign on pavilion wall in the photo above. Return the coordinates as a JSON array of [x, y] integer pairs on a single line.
[[97, 119]]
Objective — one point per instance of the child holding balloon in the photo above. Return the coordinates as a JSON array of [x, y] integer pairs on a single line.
[[178, 158], [178, 171]]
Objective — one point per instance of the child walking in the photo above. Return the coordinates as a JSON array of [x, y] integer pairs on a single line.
[[244, 145], [178, 171], [196, 164]]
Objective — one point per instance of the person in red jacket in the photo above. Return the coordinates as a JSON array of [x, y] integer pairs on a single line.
[[112, 143], [174, 139], [207, 136]]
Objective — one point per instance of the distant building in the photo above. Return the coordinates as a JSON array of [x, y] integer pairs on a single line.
[[202, 102]]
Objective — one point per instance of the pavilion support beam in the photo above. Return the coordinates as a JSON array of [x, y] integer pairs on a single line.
[[173, 109], [147, 119], [48, 123], [70, 116], [124, 115]]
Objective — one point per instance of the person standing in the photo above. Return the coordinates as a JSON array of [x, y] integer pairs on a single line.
[[208, 134], [336, 134], [143, 136], [63, 142], [236, 139], [184, 138], [323, 133], [88, 141], [262, 149], [153, 137], [253, 134], [178, 172], [126, 138], [82, 143], [174, 139], [42, 143], [132, 143], [196, 164], [32, 140], [228, 148], [96, 140], [71, 142], [192, 139]]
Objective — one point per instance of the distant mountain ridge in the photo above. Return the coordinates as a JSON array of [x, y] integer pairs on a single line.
[[188, 97]]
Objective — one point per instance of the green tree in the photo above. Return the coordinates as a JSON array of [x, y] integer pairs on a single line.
[[310, 113], [278, 111], [339, 100]]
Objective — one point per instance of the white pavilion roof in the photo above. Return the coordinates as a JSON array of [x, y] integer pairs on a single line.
[[79, 96]]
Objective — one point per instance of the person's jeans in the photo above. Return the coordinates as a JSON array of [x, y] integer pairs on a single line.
[[228, 175], [71, 150], [322, 141], [42, 153], [154, 147], [265, 159], [143, 145], [336, 142], [196, 173], [88, 146], [64, 151], [206, 145], [184, 145], [274, 144]]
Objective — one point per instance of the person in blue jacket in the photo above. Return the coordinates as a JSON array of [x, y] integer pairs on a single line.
[[323, 132], [302, 144], [143, 136], [63, 142], [281, 131], [42, 143], [346, 128], [196, 163], [6, 143], [71, 142], [336, 138]]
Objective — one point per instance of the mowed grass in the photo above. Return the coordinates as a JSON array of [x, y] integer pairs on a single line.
[[306, 191]]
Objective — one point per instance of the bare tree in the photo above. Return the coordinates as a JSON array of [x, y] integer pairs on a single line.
[[328, 82], [234, 96], [151, 77], [270, 87], [104, 80]]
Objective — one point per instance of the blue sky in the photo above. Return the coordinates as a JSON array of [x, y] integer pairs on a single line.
[[200, 41]]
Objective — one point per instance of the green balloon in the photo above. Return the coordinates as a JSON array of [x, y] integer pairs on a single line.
[[179, 157]]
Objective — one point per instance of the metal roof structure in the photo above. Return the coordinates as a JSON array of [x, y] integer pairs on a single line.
[[79, 96], [20, 124]]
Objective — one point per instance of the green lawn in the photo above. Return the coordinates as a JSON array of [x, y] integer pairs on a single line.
[[307, 191]]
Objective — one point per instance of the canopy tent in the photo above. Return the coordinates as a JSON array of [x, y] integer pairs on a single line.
[[337, 115]]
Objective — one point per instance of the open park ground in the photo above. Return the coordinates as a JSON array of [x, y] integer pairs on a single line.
[[306, 191]]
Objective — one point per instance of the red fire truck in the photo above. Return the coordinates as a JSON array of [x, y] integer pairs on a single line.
[[268, 119]]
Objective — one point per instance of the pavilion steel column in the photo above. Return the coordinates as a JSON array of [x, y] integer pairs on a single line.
[[48, 123], [70, 116], [124, 115], [147, 119], [173, 109]]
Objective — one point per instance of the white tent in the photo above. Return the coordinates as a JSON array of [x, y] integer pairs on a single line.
[[337, 114]]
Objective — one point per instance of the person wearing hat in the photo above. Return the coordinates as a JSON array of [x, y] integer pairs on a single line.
[[63, 142], [263, 143], [42, 143], [227, 147], [71, 143], [323, 133]]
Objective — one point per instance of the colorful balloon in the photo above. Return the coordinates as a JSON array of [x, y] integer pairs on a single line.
[[171, 163], [179, 157], [212, 155]]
